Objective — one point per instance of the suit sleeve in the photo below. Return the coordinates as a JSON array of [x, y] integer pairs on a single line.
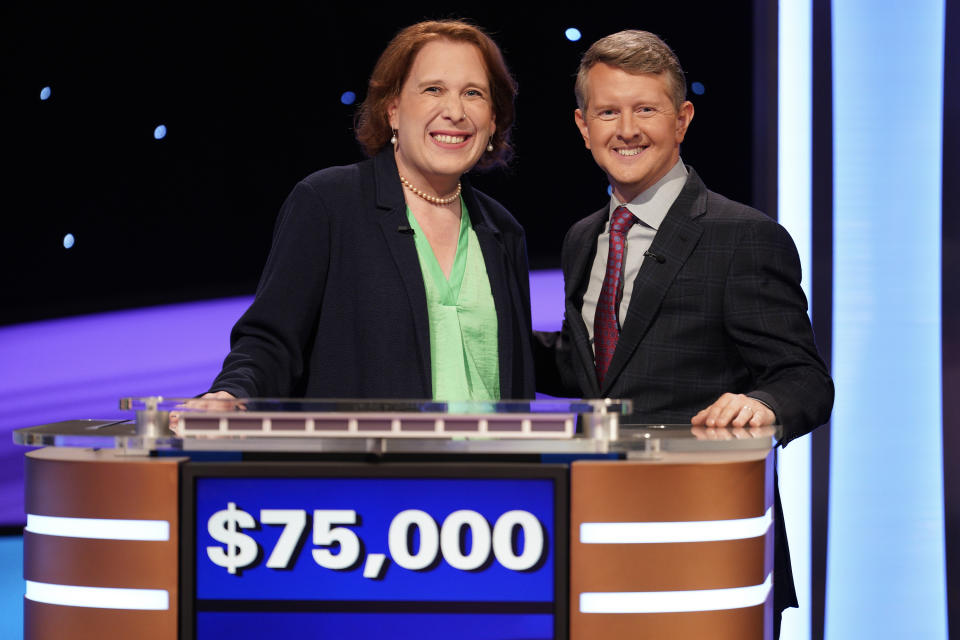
[[270, 343], [553, 350], [765, 312]]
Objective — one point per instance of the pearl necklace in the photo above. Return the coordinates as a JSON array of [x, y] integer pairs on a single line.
[[430, 198]]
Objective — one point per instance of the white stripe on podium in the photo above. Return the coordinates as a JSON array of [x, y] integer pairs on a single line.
[[675, 601], [99, 528], [98, 597], [658, 532]]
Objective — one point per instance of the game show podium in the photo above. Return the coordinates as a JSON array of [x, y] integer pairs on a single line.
[[400, 519]]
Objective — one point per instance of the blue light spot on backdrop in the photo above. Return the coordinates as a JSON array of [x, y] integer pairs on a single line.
[[45, 93], [698, 88], [68, 241], [348, 97], [573, 34], [609, 189], [160, 132]]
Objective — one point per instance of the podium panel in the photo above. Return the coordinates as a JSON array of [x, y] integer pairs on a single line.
[[86, 576], [415, 548], [671, 549]]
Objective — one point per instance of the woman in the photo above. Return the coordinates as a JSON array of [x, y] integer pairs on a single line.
[[393, 278]]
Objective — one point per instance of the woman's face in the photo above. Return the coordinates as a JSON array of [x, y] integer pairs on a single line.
[[443, 115]]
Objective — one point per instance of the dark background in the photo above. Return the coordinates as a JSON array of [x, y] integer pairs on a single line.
[[250, 95]]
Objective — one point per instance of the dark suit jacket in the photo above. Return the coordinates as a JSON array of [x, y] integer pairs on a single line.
[[723, 311], [341, 311]]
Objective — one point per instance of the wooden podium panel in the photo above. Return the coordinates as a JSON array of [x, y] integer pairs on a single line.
[[85, 484], [663, 575]]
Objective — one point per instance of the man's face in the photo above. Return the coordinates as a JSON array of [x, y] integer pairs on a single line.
[[631, 127]]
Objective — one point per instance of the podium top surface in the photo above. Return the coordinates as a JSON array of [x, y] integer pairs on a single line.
[[554, 426]]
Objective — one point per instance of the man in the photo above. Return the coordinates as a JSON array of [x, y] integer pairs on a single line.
[[676, 297]]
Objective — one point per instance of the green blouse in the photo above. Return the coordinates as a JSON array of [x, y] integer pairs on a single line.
[[464, 357]]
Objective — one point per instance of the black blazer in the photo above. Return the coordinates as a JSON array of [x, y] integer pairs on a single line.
[[341, 310], [721, 310]]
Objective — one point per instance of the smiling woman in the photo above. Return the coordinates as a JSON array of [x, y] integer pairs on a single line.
[[393, 278], [443, 121], [443, 116]]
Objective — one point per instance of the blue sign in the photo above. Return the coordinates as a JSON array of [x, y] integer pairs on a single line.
[[405, 554]]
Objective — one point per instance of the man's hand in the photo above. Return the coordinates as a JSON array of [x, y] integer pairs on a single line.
[[734, 410]]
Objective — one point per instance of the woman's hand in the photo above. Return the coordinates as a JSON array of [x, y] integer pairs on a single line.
[[213, 395], [213, 401]]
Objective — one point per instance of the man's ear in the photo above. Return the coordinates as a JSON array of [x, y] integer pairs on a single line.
[[582, 125], [684, 117]]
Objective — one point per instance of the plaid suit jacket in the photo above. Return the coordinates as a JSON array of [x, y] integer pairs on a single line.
[[722, 311]]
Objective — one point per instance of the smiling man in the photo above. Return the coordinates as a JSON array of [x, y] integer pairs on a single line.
[[682, 300]]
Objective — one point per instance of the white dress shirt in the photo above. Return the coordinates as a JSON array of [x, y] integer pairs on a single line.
[[649, 208]]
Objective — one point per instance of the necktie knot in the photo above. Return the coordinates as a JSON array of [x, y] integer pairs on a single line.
[[621, 220]]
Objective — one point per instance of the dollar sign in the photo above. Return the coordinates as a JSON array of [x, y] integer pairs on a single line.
[[241, 549]]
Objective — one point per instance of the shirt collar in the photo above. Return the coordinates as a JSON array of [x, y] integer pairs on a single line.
[[651, 206]]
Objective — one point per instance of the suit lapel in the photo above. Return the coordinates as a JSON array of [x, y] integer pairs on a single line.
[[674, 241], [576, 278], [399, 239]]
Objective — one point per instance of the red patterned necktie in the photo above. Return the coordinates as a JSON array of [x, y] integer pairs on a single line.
[[606, 329]]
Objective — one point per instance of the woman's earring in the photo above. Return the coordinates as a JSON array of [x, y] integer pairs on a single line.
[[490, 145], [393, 138]]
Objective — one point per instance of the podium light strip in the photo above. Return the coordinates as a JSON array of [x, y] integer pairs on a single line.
[[659, 532], [99, 528], [98, 597], [675, 601]]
